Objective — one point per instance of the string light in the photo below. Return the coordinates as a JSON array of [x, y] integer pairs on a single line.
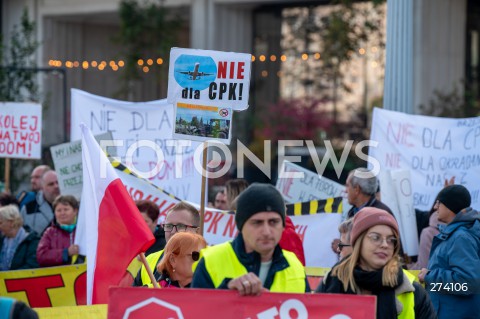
[[304, 57], [273, 58], [149, 61], [159, 61], [361, 51], [145, 69], [283, 58], [262, 58]]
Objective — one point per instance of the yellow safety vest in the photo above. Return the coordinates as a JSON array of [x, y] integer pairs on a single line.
[[221, 262], [152, 261], [408, 300]]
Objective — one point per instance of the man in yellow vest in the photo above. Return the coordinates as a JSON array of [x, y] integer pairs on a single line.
[[253, 262], [183, 217]]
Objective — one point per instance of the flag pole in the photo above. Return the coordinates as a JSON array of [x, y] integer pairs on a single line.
[[149, 271], [7, 175], [204, 182]]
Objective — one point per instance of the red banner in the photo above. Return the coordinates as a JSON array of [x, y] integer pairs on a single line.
[[139, 303]]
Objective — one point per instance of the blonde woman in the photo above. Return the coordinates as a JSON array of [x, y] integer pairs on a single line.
[[17, 244], [373, 268], [181, 251]]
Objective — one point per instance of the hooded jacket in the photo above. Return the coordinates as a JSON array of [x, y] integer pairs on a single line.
[[455, 261]]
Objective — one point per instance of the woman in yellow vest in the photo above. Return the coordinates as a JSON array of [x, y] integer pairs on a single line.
[[374, 268], [181, 251]]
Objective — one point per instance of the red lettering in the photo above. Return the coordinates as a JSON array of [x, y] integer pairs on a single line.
[[241, 69], [232, 69], [222, 70], [23, 122], [300, 230], [35, 123], [231, 227], [213, 226], [80, 289], [36, 288], [207, 217]]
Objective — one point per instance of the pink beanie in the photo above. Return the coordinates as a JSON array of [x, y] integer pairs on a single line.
[[368, 217]]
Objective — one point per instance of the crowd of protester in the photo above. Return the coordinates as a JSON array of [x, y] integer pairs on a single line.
[[38, 230]]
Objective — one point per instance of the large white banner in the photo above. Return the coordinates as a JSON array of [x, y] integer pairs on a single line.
[[397, 194], [20, 130], [316, 231], [302, 185], [144, 133], [433, 148]]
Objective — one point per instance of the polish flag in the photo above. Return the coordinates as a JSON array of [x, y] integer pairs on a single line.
[[110, 231]]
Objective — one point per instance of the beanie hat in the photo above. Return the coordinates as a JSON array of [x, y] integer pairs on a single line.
[[368, 217], [258, 198], [455, 198]]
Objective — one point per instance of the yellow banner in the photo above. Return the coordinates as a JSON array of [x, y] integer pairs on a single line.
[[46, 287], [78, 312]]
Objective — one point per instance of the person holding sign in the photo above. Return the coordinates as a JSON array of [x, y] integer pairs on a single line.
[[57, 244], [452, 278], [182, 250], [374, 268], [253, 262]]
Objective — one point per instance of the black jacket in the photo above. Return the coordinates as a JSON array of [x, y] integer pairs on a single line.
[[422, 305], [251, 261]]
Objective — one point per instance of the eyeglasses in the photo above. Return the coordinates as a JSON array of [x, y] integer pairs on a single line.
[[178, 227], [378, 240], [341, 245]]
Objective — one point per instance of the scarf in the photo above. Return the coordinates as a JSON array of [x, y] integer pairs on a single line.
[[68, 228], [9, 247], [372, 281]]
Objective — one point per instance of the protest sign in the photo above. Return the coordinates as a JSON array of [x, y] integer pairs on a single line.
[[20, 130], [205, 88], [143, 133], [209, 78], [397, 194], [432, 148], [132, 303], [67, 159], [302, 185]]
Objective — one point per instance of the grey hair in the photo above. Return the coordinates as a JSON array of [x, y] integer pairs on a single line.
[[365, 179], [346, 227], [11, 212]]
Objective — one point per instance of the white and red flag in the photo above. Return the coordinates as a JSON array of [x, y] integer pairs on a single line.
[[111, 231]]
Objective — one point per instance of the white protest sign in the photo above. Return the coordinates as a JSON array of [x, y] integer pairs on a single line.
[[20, 130], [316, 231], [140, 189], [396, 192], [67, 159], [209, 78], [432, 148], [307, 186], [143, 132]]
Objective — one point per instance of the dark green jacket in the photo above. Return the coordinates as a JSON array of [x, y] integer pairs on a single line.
[[25, 256]]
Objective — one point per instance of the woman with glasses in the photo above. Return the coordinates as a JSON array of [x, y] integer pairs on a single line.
[[374, 268], [181, 251]]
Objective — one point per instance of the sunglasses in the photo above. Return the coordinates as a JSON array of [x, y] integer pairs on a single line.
[[195, 255]]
